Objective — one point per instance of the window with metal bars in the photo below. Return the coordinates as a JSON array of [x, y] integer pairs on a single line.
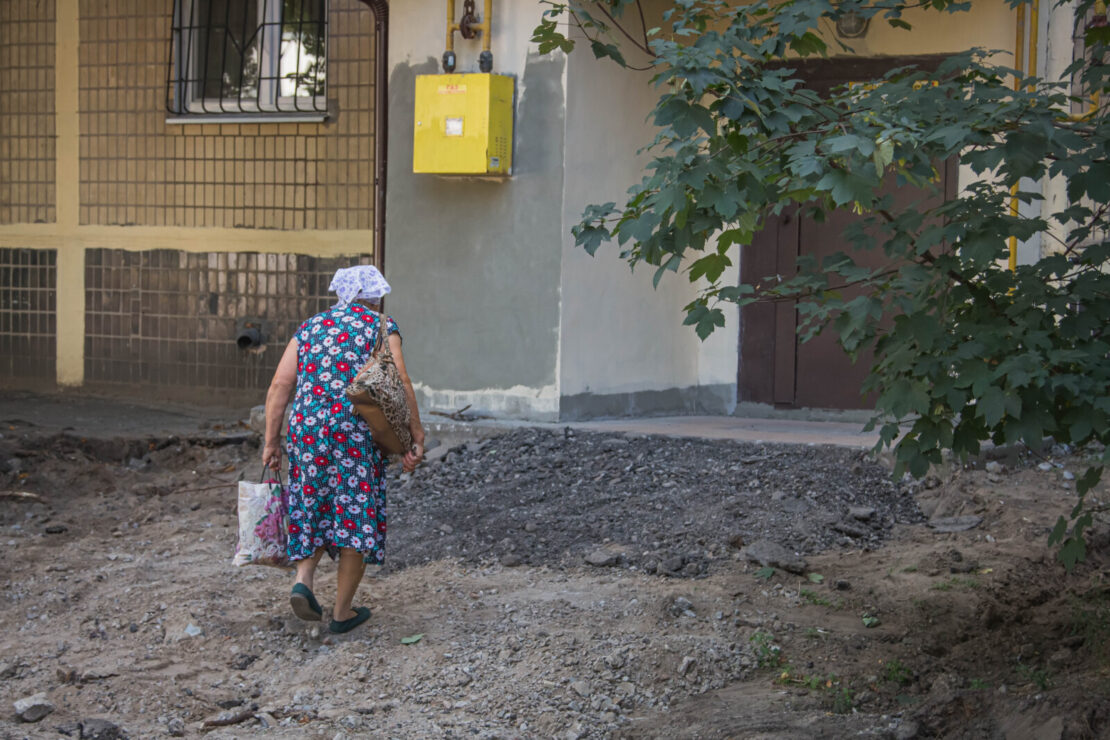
[[236, 57]]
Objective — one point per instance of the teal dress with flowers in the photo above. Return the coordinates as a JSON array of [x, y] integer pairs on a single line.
[[336, 474]]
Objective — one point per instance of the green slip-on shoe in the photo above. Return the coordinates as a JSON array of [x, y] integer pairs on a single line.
[[304, 604], [361, 615]]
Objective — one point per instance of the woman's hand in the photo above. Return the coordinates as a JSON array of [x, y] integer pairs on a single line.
[[413, 457], [271, 456]]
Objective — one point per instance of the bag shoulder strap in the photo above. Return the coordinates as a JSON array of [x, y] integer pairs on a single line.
[[382, 343]]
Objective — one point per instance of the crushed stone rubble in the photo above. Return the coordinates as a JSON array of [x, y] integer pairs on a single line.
[[655, 504]]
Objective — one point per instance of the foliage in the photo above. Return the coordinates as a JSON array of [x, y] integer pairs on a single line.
[[1039, 677], [1090, 618], [767, 653], [896, 672], [970, 351], [816, 599]]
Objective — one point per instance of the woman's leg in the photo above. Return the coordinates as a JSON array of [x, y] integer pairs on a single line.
[[306, 568], [351, 568]]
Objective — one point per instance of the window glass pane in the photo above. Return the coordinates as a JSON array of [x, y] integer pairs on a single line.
[[230, 56], [303, 64]]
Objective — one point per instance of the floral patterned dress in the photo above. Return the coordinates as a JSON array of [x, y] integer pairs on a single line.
[[336, 473]]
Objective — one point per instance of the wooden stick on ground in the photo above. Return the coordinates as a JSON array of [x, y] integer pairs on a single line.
[[234, 719], [21, 495]]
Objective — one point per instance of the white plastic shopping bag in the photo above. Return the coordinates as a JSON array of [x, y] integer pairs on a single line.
[[263, 525]]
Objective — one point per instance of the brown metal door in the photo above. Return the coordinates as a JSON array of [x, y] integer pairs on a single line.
[[767, 330], [775, 367]]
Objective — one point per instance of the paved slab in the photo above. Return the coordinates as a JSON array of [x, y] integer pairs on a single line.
[[786, 431], [103, 417]]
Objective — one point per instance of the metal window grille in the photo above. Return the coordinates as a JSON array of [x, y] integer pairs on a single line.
[[28, 321], [169, 319], [248, 56]]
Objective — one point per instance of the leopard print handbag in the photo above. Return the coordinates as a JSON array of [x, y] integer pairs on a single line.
[[378, 395]]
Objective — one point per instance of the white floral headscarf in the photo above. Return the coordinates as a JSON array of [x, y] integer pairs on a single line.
[[360, 281]]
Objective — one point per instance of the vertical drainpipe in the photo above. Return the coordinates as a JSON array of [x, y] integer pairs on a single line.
[[381, 122]]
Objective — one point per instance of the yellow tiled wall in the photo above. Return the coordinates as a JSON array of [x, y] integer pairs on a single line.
[[136, 169], [165, 321], [27, 112]]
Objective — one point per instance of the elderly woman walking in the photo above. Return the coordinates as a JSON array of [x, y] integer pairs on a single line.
[[337, 501]]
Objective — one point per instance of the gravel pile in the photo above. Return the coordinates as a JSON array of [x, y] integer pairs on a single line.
[[657, 504]]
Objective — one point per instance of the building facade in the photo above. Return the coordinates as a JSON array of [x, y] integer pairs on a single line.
[[159, 203]]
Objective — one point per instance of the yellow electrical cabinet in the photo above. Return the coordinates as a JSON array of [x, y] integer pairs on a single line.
[[464, 124]]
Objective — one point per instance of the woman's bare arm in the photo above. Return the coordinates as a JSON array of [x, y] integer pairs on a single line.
[[277, 399], [412, 459]]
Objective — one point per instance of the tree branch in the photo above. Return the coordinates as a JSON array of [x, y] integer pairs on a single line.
[[642, 47]]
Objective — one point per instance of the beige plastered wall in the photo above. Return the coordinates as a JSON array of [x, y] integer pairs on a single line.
[[989, 24], [619, 334], [71, 238]]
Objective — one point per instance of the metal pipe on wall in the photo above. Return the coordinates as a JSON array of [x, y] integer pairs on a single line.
[[381, 122], [486, 26], [485, 59], [469, 30], [452, 26]]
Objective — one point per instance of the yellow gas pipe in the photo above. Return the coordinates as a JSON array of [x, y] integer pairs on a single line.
[[485, 28], [452, 26]]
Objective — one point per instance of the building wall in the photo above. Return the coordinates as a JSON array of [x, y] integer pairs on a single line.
[[253, 216], [168, 319], [27, 111], [28, 277], [624, 348], [138, 234], [137, 169], [987, 24], [474, 263], [28, 324]]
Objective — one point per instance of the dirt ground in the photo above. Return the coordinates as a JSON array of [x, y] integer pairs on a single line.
[[121, 605]]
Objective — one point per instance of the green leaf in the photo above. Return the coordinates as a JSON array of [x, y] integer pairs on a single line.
[[1072, 552], [991, 406], [766, 573], [816, 578], [870, 621], [708, 322], [1088, 480], [601, 51], [412, 639], [711, 267], [1058, 532], [591, 238]]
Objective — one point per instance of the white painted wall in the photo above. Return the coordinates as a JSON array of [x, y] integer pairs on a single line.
[[618, 334]]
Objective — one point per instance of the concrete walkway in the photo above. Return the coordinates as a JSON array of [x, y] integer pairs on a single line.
[[786, 431], [102, 417]]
